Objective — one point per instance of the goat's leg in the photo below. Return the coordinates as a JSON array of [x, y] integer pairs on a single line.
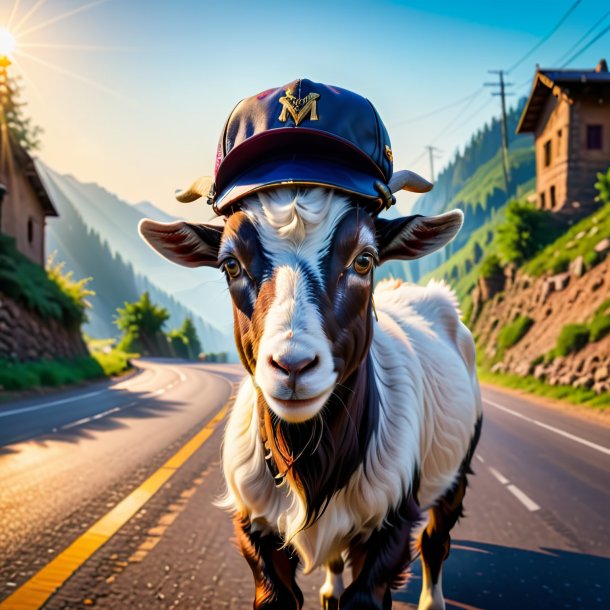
[[380, 561], [435, 540], [332, 589], [272, 566]]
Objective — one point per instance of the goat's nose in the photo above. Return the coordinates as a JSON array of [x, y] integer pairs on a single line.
[[293, 365]]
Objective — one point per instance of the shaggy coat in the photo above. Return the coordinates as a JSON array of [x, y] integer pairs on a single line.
[[360, 410]]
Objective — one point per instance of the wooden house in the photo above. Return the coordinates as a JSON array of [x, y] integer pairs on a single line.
[[24, 201], [568, 111]]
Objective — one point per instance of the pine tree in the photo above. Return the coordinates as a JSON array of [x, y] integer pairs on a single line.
[[12, 113]]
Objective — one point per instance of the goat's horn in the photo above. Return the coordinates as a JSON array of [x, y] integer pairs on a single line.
[[406, 180], [200, 188]]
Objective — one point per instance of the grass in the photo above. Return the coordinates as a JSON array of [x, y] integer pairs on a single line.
[[512, 333], [557, 256], [489, 178], [572, 338], [53, 373], [50, 295], [576, 396], [27, 375], [112, 360], [464, 260]]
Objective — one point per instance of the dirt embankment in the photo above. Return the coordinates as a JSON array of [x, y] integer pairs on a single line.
[[551, 303]]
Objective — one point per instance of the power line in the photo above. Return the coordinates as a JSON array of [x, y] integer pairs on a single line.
[[421, 117], [583, 49], [543, 40], [583, 37], [458, 115]]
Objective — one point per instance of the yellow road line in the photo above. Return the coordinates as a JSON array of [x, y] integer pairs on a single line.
[[35, 592]]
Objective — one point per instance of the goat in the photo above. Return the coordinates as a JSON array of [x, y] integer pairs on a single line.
[[361, 409]]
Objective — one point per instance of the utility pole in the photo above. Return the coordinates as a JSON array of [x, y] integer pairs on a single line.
[[502, 93], [431, 150]]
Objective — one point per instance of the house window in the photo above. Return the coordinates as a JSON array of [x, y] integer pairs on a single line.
[[594, 137], [30, 231], [542, 201], [547, 153], [553, 198], [559, 143]]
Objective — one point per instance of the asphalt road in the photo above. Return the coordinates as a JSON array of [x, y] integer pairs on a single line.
[[535, 533]]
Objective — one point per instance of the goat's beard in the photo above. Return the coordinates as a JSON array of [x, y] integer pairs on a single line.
[[318, 457]]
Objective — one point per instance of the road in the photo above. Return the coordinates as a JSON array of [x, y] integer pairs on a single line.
[[106, 493]]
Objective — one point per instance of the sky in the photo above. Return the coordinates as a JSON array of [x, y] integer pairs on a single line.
[[133, 94]]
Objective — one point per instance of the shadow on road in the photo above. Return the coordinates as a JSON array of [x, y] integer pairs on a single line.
[[479, 575], [46, 426]]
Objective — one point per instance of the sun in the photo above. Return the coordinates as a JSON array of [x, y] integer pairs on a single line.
[[7, 43]]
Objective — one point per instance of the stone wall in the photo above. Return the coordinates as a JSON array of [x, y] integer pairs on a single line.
[[24, 335], [551, 303]]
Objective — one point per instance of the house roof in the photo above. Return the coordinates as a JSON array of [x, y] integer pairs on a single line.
[[571, 82], [25, 162]]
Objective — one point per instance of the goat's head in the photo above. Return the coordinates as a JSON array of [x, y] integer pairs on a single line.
[[299, 265], [299, 260]]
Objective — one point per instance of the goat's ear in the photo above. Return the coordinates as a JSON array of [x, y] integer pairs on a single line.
[[183, 243], [415, 236]]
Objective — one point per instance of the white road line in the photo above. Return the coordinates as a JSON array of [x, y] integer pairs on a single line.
[[86, 420], [178, 372], [49, 404], [480, 458], [503, 480], [523, 498], [573, 437]]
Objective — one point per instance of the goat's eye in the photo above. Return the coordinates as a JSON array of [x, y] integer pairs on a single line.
[[232, 267], [363, 263]]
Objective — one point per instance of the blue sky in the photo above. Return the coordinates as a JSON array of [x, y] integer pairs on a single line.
[[176, 68]]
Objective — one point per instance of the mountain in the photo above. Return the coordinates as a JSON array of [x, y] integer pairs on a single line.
[[474, 182], [96, 236], [149, 210]]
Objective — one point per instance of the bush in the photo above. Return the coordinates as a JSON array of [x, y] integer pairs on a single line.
[[526, 231], [490, 266], [591, 259], [512, 333], [26, 375], [573, 338], [600, 325], [559, 264], [113, 362], [52, 295]]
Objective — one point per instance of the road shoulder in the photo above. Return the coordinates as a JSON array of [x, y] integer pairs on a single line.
[[553, 404]]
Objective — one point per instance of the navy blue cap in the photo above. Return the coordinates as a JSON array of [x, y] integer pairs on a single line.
[[303, 133]]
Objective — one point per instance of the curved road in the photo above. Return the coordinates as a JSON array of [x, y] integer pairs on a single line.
[[142, 456]]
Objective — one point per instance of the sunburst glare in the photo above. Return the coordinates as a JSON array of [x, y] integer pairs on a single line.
[[16, 36], [7, 43]]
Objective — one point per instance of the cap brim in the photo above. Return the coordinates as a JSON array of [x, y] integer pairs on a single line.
[[298, 172], [295, 156]]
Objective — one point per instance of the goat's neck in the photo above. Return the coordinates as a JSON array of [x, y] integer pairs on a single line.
[[318, 457]]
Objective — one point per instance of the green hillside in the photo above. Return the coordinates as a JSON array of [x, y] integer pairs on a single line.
[[579, 240], [474, 182]]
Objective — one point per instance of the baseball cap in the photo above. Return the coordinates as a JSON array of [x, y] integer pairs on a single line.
[[302, 133]]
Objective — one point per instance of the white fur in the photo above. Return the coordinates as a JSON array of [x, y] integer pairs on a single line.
[[293, 329], [423, 362]]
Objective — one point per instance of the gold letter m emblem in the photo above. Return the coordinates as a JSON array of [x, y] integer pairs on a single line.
[[299, 108]]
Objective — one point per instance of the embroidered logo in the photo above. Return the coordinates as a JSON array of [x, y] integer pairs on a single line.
[[388, 153], [299, 108]]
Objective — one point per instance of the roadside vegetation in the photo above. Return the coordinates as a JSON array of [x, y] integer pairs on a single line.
[[51, 295], [142, 324], [576, 396], [512, 333], [579, 240], [573, 337]]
